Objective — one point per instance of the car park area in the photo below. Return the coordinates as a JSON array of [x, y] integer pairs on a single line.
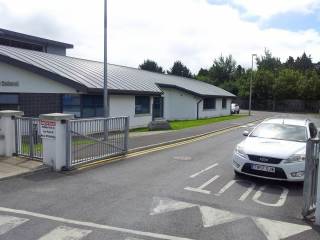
[[188, 191]]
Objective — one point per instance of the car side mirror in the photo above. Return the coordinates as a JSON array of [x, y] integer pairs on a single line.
[[245, 133]]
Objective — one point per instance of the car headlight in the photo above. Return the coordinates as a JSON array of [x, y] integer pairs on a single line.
[[296, 158], [240, 151]]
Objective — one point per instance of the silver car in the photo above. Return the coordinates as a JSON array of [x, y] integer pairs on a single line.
[[275, 149]]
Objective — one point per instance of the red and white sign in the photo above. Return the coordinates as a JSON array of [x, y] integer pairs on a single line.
[[48, 129]]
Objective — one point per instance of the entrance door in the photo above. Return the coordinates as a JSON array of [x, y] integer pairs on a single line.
[[157, 111]]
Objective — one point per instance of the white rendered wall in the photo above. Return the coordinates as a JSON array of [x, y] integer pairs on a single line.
[[217, 112], [29, 82], [179, 105], [124, 105]]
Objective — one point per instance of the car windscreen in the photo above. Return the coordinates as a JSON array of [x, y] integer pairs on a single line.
[[281, 132]]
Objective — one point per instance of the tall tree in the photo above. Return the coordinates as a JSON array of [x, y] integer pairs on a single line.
[[223, 69], [268, 62], [179, 69], [304, 63], [151, 66]]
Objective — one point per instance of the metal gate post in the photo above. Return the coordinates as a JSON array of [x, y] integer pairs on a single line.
[[68, 145], [317, 213], [307, 185], [126, 134], [31, 138]]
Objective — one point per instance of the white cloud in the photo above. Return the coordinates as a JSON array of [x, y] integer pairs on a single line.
[[268, 8], [192, 31]]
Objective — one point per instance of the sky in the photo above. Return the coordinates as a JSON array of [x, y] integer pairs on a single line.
[[192, 31]]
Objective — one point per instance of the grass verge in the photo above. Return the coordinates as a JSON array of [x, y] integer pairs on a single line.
[[181, 124]]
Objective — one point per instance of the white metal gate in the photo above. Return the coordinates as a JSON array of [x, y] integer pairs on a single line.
[[28, 140], [97, 138]]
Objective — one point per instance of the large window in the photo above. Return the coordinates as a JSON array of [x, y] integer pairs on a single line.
[[142, 104], [92, 106], [224, 103], [9, 99], [71, 105], [209, 103]]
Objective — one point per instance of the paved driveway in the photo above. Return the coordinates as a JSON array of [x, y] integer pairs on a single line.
[[185, 192]]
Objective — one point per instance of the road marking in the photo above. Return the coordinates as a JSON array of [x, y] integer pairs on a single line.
[[201, 188], [92, 225], [279, 203], [272, 229], [8, 223], [276, 230], [163, 205], [65, 233], [213, 217], [243, 196], [204, 170]]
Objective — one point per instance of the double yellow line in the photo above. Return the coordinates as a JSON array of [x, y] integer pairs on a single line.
[[159, 148]]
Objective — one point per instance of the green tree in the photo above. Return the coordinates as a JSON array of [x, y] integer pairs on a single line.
[[203, 75], [309, 86], [222, 70], [179, 69], [286, 84], [304, 63], [151, 66], [268, 62]]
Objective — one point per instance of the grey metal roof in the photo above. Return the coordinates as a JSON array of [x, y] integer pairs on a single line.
[[86, 74], [25, 37]]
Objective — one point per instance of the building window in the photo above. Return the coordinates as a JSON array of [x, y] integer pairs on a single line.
[[224, 103], [92, 106], [71, 105], [209, 103], [9, 99], [142, 104]]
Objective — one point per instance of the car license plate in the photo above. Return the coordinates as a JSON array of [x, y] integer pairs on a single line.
[[263, 168]]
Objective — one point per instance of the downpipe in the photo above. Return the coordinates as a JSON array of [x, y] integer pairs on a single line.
[[198, 108]]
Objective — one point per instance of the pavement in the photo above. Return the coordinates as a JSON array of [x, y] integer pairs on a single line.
[[138, 140], [13, 166], [182, 192]]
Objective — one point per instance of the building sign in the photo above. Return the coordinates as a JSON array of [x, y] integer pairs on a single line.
[[48, 129], [9, 84]]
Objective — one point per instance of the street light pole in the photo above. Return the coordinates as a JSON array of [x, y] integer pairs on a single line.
[[105, 65], [250, 94]]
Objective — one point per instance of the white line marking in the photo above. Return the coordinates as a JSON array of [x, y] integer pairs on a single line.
[[276, 230], [201, 188], [213, 217], [93, 225], [279, 203], [65, 233], [209, 181], [225, 188], [8, 223], [163, 205], [247, 193], [204, 170], [197, 190]]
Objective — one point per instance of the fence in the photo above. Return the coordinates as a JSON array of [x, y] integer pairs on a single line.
[[28, 140], [311, 177], [93, 139]]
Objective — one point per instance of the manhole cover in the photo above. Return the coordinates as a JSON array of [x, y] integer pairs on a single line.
[[183, 158]]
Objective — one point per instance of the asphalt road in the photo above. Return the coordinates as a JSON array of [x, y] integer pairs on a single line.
[[185, 192]]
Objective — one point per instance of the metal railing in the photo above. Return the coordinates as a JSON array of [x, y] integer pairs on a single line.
[[28, 137], [311, 178], [93, 139]]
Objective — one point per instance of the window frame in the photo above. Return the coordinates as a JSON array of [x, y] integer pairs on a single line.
[[78, 114], [205, 104], [224, 103], [12, 94], [149, 105]]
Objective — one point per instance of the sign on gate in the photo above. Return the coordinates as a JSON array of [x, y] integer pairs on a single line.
[[48, 129]]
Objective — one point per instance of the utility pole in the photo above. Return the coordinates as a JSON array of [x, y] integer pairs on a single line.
[[250, 94], [105, 65]]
